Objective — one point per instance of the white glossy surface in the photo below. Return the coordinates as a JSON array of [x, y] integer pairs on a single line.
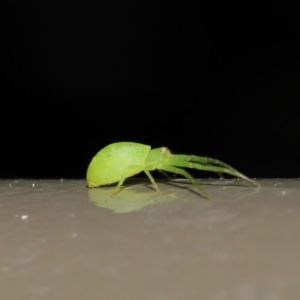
[[56, 243]]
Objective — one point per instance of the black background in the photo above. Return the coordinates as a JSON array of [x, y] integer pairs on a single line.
[[206, 78]]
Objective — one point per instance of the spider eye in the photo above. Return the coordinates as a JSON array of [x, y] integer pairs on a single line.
[[163, 149]]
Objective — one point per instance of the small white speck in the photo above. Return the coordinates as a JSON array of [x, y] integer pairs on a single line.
[[283, 193], [224, 187], [33, 185], [10, 185], [61, 180], [24, 217], [74, 235]]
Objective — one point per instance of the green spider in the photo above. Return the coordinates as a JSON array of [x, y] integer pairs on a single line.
[[118, 161]]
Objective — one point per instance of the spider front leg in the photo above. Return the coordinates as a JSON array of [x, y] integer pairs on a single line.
[[203, 160], [188, 176], [211, 168]]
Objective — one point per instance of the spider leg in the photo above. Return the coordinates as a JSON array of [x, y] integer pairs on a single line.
[[211, 168], [165, 174], [203, 160], [185, 174], [135, 169], [152, 180]]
